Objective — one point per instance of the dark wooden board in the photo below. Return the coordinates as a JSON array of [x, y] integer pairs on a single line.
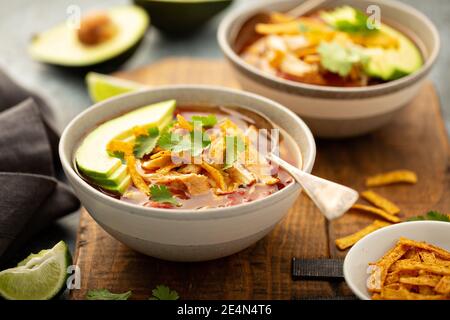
[[415, 140]]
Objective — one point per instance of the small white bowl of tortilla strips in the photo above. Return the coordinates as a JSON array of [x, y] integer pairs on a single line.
[[405, 261]]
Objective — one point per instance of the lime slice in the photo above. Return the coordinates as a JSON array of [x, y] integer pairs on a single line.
[[102, 87], [41, 276]]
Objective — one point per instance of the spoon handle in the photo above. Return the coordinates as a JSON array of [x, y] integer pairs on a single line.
[[332, 199], [305, 7]]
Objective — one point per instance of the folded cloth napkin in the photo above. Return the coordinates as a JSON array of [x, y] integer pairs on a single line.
[[30, 195]]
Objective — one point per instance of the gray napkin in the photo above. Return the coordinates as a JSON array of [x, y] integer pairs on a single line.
[[30, 195]]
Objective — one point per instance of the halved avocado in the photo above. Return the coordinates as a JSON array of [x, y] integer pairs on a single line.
[[63, 45], [181, 17]]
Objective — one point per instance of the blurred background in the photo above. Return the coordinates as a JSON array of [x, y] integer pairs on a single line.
[[67, 94]]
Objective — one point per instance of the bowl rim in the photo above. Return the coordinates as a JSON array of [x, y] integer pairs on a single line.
[[293, 86], [183, 214], [378, 233]]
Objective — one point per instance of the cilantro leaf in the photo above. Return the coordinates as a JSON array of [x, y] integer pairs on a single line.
[[432, 215], [188, 142], [105, 294], [206, 121], [164, 293], [338, 59], [144, 144], [162, 194], [236, 144]]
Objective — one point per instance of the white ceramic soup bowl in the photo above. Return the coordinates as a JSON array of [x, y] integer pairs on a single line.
[[375, 245], [334, 112], [186, 235]]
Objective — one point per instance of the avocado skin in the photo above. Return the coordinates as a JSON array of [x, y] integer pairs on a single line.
[[106, 66], [181, 18]]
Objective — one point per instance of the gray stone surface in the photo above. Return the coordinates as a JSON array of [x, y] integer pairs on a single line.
[[19, 19]]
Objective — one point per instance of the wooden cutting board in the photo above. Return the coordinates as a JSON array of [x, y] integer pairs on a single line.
[[415, 140]]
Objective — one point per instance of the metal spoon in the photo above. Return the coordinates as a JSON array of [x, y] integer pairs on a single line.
[[332, 199], [305, 7]]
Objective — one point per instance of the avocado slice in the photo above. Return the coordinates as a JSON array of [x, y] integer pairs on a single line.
[[61, 45], [181, 17], [393, 63], [92, 157]]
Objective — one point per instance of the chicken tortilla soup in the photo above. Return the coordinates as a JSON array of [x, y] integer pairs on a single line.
[[185, 157]]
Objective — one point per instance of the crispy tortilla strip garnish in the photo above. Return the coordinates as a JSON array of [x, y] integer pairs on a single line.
[[126, 148], [403, 294], [348, 241], [380, 202], [290, 27], [408, 265], [140, 131], [183, 123], [412, 254], [423, 280], [190, 168], [378, 212], [241, 175], [195, 184], [389, 259], [166, 169], [157, 162], [138, 181], [216, 175], [427, 257], [160, 154], [278, 17], [443, 286], [425, 246], [398, 176]]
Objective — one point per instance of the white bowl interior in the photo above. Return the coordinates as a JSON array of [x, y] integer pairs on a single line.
[[375, 245]]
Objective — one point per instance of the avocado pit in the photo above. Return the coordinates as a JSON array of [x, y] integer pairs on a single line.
[[96, 28]]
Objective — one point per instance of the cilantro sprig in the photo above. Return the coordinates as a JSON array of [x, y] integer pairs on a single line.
[[162, 292], [208, 121], [105, 294], [340, 59], [432, 215], [144, 144], [195, 142], [162, 194]]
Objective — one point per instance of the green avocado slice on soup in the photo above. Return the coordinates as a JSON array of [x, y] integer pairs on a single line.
[[106, 170]]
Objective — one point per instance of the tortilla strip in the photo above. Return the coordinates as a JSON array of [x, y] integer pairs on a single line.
[[403, 294], [138, 181], [425, 246], [412, 254], [216, 175], [160, 154], [290, 27], [158, 162], [380, 202], [183, 123], [389, 259], [166, 169], [408, 265], [127, 149], [443, 286], [423, 280], [378, 212], [398, 176], [350, 240]]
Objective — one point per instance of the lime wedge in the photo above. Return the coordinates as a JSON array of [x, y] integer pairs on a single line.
[[41, 276], [102, 86]]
